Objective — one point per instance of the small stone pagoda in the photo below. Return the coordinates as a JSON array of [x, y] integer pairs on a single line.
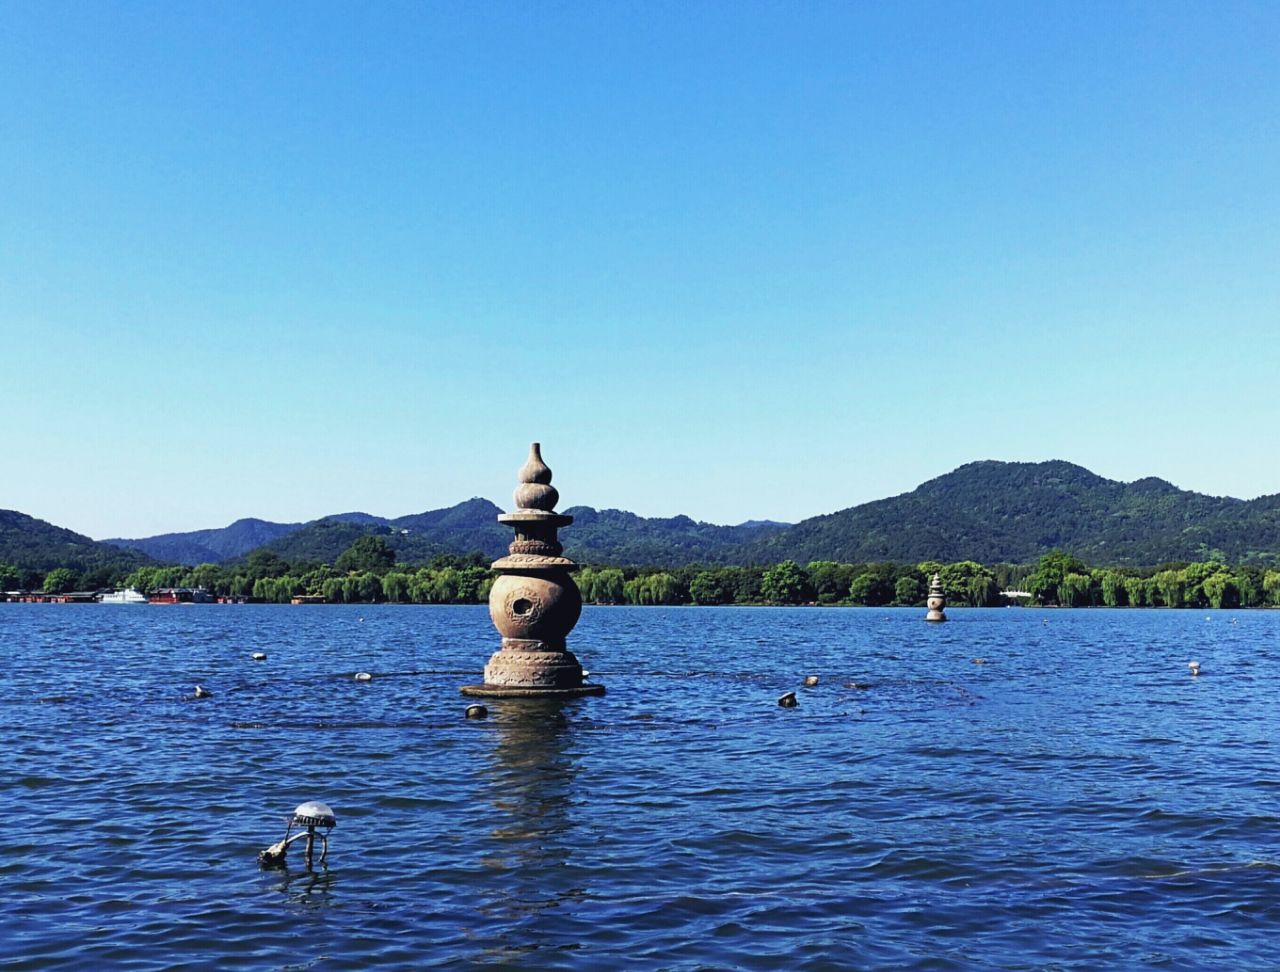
[[534, 604], [937, 601]]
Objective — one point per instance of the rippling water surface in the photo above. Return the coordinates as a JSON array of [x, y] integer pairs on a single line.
[[1078, 801]]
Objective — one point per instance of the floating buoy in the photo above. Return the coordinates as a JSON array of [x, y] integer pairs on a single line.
[[202, 692], [979, 661], [476, 711], [1194, 667], [811, 680], [788, 700], [857, 685], [363, 677], [259, 656]]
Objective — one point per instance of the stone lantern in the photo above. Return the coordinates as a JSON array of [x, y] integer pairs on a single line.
[[534, 603], [937, 601]]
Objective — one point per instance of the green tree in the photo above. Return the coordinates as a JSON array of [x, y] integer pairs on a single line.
[[1074, 590], [786, 583], [706, 588], [658, 588], [369, 554], [60, 580], [10, 577], [1141, 591], [1271, 588], [970, 583], [369, 586], [209, 576], [1115, 592], [395, 587], [830, 580], [1193, 579], [1249, 584], [1171, 585], [265, 563], [871, 589], [606, 587], [1053, 566], [909, 590], [1221, 591]]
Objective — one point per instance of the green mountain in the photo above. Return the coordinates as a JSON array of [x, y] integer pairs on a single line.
[[1013, 512], [992, 512], [35, 545], [465, 528], [208, 546], [597, 536], [617, 537]]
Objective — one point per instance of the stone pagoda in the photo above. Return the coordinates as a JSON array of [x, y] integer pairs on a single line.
[[937, 601], [534, 603]]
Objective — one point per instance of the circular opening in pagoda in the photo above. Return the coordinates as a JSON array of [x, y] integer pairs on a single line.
[[522, 606]]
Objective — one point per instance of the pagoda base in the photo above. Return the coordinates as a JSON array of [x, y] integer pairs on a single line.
[[487, 691], [528, 667]]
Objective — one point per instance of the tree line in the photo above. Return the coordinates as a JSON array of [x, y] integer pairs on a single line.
[[367, 571]]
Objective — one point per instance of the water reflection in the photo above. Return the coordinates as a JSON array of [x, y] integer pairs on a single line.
[[308, 887], [532, 779]]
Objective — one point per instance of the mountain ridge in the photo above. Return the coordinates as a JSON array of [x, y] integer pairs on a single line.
[[988, 510]]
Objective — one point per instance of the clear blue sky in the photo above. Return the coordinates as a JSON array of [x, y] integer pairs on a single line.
[[735, 261]]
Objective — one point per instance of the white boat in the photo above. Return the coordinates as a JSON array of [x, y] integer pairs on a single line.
[[129, 596]]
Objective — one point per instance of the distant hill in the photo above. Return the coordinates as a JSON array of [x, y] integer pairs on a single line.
[[208, 546], [223, 543], [596, 537], [32, 544], [992, 512], [466, 528], [617, 537], [1013, 512]]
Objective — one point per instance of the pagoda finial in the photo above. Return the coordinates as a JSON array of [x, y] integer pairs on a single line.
[[535, 491]]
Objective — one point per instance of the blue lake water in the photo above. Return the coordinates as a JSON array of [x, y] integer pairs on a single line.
[[1079, 801]]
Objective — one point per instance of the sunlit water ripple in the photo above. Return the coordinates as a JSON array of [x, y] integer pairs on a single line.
[[1079, 801]]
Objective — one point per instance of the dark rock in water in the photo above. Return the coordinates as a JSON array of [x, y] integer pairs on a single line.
[[476, 712], [857, 685], [202, 692], [788, 700]]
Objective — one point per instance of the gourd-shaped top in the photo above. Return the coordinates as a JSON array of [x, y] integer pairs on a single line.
[[535, 491]]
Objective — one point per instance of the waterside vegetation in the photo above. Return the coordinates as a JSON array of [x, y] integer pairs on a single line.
[[368, 572]]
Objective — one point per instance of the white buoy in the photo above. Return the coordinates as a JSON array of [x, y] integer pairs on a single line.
[[811, 680], [259, 656], [363, 677], [1194, 667]]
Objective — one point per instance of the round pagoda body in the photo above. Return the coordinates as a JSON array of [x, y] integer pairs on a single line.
[[534, 603]]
